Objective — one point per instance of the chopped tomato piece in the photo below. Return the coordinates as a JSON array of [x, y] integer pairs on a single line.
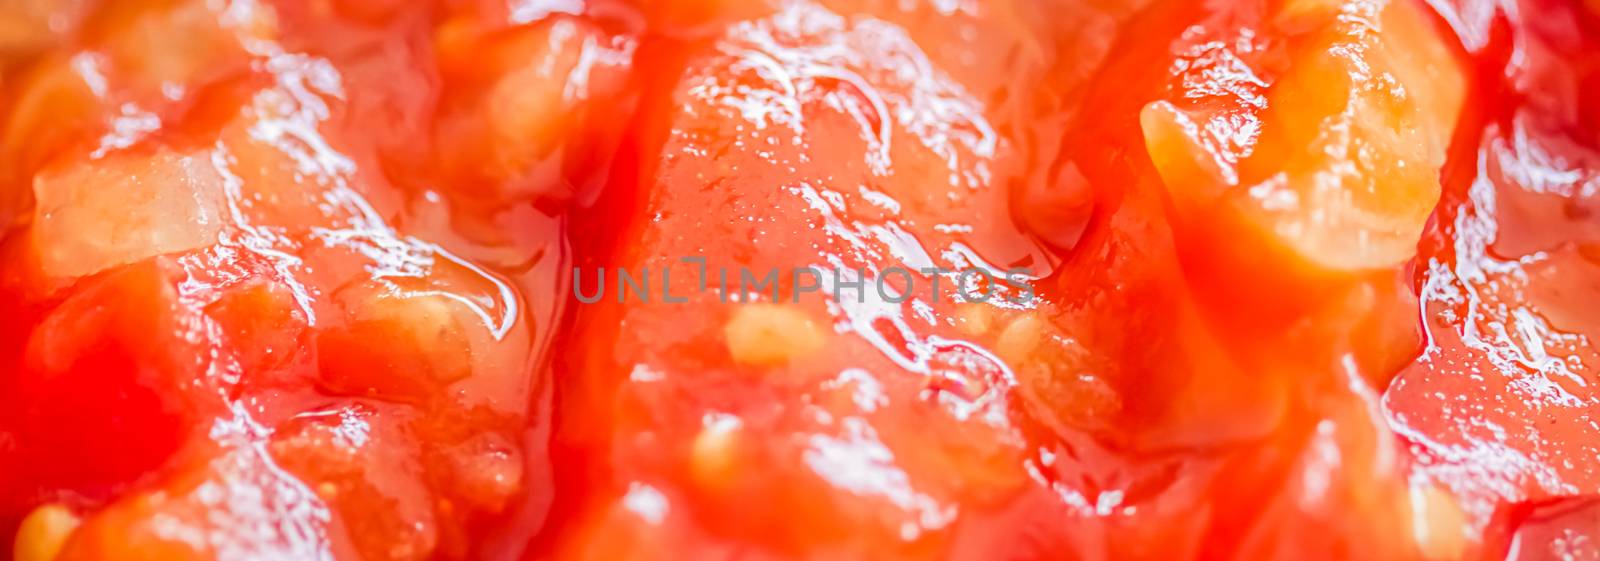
[[1322, 131], [529, 102], [219, 501], [804, 139], [94, 353], [357, 461], [102, 213]]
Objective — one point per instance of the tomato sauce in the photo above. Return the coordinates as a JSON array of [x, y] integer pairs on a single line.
[[340, 279]]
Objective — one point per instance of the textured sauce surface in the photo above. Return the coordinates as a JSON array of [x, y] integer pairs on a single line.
[[1054, 280]]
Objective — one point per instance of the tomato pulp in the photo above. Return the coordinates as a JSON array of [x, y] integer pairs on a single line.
[[1049, 279]]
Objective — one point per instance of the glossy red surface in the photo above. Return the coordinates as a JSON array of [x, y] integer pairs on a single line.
[[1288, 279]]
